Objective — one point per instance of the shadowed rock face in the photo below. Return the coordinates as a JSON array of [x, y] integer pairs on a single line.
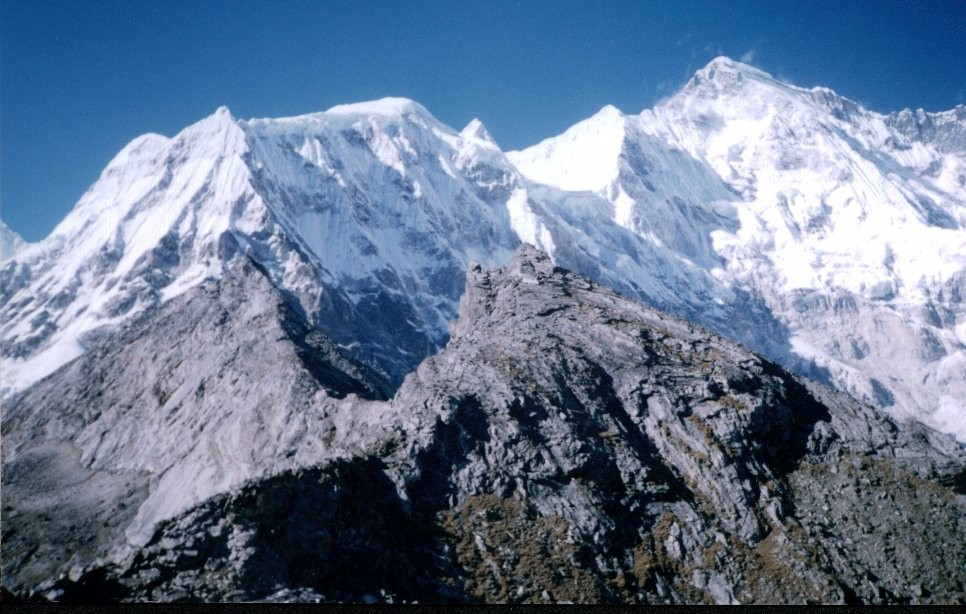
[[567, 445]]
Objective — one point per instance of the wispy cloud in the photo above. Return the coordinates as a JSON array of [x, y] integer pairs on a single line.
[[753, 54], [699, 54]]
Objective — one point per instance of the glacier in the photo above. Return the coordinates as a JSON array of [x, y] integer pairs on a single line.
[[824, 235]]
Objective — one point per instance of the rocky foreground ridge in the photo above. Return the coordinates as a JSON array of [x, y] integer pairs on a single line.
[[567, 444]]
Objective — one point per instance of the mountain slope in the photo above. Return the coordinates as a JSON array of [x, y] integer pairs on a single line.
[[849, 226], [365, 216], [208, 391], [571, 445]]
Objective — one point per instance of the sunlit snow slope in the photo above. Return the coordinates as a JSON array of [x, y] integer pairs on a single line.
[[850, 224], [366, 216]]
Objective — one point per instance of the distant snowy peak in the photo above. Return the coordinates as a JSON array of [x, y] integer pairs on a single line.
[[727, 104], [582, 158], [742, 122], [725, 76], [392, 106], [477, 132], [151, 227]]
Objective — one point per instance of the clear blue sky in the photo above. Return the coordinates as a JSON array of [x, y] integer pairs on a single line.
[[80, 79]]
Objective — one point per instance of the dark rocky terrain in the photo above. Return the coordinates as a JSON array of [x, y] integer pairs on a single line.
[[567, 444]]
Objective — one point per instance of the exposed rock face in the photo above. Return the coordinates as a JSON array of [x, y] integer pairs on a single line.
[[566, 445], [222, 385], [675, 460], [946, 130]]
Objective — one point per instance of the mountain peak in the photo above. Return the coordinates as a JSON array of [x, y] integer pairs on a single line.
[[219, 118], [384, 106], [476, 131], [582, 158], [219, 134], [530, 263], [219, 122], [724, 74], [609, 111], [608, 115], [724, 64]]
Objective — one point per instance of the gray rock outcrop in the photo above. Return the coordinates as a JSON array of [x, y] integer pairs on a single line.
[[223, 385], [567, 444]]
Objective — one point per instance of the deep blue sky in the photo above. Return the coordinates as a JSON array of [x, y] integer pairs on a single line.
[[80, 79]]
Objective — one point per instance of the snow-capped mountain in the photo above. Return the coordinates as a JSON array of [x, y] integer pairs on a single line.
[[849, 225], [366, 216], [217, 377], [826, 236]]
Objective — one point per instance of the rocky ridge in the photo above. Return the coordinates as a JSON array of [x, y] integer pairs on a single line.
[[567, 444], [222, 385]]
